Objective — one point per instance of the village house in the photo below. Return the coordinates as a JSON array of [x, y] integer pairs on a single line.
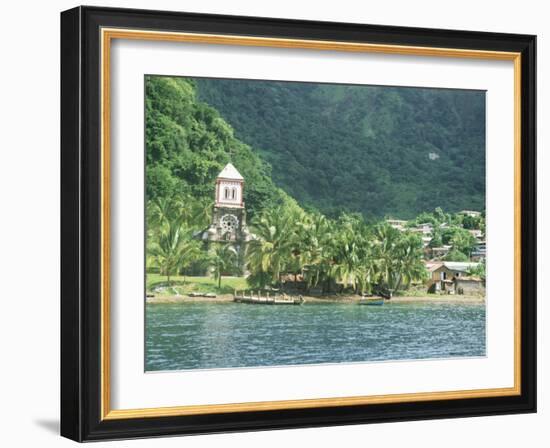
[[398, 224], [440, 252], [469, 285], [444, 226], [425, 229], [480, 252], [426, 240], [471, 213], [476, 233], [445, 275]]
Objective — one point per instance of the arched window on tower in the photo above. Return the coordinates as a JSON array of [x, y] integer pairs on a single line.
[[226, 193], [234, 193]]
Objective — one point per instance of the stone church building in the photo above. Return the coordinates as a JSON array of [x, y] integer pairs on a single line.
[[229, 215]]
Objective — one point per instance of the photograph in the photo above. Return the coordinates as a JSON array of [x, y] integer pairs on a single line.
[[273, 223], [299, 223]]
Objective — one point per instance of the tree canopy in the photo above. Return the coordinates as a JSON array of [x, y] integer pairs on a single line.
[[188, 144], [343, 158], [377, 150]]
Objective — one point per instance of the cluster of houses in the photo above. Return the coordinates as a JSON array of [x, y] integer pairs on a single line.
[[449, 277]]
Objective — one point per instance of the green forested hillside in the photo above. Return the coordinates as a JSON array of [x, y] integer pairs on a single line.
[[333, 154], [376, 150], [187, 145]]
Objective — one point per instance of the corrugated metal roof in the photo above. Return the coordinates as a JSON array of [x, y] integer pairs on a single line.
[[433, 266], [459, 266]]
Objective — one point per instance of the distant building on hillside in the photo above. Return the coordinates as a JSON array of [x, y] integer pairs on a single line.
[[472, 213], [398, 224], [476, 233], [425, 229], [480, 251], [440, 252]]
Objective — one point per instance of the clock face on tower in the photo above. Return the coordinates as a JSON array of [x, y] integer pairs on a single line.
[[229, 223], [228, 215]]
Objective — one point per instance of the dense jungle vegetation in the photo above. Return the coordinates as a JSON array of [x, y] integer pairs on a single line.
[[375, 150], [328, 165]]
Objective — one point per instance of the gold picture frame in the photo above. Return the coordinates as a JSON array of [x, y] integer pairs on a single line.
[[106, 30]]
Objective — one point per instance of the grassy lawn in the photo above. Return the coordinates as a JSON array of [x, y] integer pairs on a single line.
[[184, 285]]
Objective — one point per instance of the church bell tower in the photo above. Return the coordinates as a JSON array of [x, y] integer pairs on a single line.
[[229, 216]]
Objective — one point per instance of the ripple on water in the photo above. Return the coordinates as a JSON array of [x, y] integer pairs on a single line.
[[198, 335]]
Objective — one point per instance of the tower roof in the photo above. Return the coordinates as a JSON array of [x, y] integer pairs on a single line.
[[230, 172]]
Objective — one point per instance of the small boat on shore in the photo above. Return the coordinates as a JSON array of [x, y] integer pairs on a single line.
[[373, 301], [208, 295], [267, 300]]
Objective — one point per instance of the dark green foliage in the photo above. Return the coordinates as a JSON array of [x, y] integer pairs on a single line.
[[188, 143], [460, 239], [356, 154], [479, 270], [362, 148], [345, 252], [471, 222], [455, 255]]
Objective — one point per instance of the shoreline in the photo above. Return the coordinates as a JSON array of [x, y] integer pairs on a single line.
[[228, 298]]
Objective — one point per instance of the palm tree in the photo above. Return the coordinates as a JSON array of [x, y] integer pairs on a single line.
[[409, 253], [315, 245], [347, 251], [173, 249], [200, 213], [184, 208], [222, 259], [366, 273], [386, 239], [164, 210], [399, 257], [269, 255], [366, 267], [170, 243]]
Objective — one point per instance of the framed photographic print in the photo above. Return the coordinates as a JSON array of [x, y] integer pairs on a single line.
[[273, 223]]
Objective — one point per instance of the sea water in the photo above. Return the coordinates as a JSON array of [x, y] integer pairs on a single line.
[[226, 335]]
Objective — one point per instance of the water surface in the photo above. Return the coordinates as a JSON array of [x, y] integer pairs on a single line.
[[221, 335]]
